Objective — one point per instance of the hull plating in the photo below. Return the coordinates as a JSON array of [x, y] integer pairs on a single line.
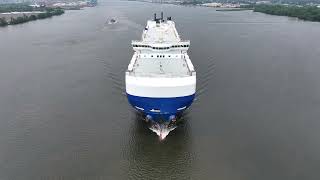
[[160, 109]]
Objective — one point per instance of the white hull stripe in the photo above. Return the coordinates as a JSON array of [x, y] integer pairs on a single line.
[[182, 108], [160, 87]]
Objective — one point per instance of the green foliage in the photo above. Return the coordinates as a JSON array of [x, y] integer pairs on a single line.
[[49, 12], [3, 22], [248, 6], [19, 20], [41, 16], [22, 7], [93, 2], [194, 2], [33, 17], [308, 13]]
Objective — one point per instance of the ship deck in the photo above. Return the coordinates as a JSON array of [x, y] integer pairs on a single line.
[[161, 67], [165, 32]]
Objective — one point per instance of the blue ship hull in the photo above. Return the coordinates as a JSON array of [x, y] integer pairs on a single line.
[[160, 109]]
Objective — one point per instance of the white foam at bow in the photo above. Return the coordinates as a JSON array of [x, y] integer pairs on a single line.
[[161, 130]]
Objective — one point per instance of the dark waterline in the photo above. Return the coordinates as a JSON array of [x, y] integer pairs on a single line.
[[63, 112]]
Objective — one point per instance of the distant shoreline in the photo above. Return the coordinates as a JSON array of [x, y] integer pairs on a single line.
[[234, 9], [18, 13], [9, 15], [306, 12], [13, 18]]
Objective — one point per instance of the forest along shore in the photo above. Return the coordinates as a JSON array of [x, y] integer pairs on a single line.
[[307, 13], [11, 14], [300, 10]]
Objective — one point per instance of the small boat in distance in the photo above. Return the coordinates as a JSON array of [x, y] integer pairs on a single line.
[[112, 21]]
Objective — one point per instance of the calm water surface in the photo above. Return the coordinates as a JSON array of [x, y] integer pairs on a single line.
[[64, 115]]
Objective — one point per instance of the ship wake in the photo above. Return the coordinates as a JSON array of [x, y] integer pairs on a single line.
[[162, 130]]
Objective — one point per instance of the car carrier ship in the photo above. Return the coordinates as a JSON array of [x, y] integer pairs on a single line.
[[160, 79]]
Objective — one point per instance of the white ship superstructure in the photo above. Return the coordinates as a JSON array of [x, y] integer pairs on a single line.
[[160, 80]]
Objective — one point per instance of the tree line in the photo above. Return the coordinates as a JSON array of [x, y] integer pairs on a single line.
[[308, 13], [19, 7], [49, 12]]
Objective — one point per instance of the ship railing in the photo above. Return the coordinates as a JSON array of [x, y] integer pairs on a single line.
[[133, 73], [135, 41], [185, 41], [139, 45], [142, 42], [176, 32], [132, 62], [156, 75], [130, 71], [192, 72]]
